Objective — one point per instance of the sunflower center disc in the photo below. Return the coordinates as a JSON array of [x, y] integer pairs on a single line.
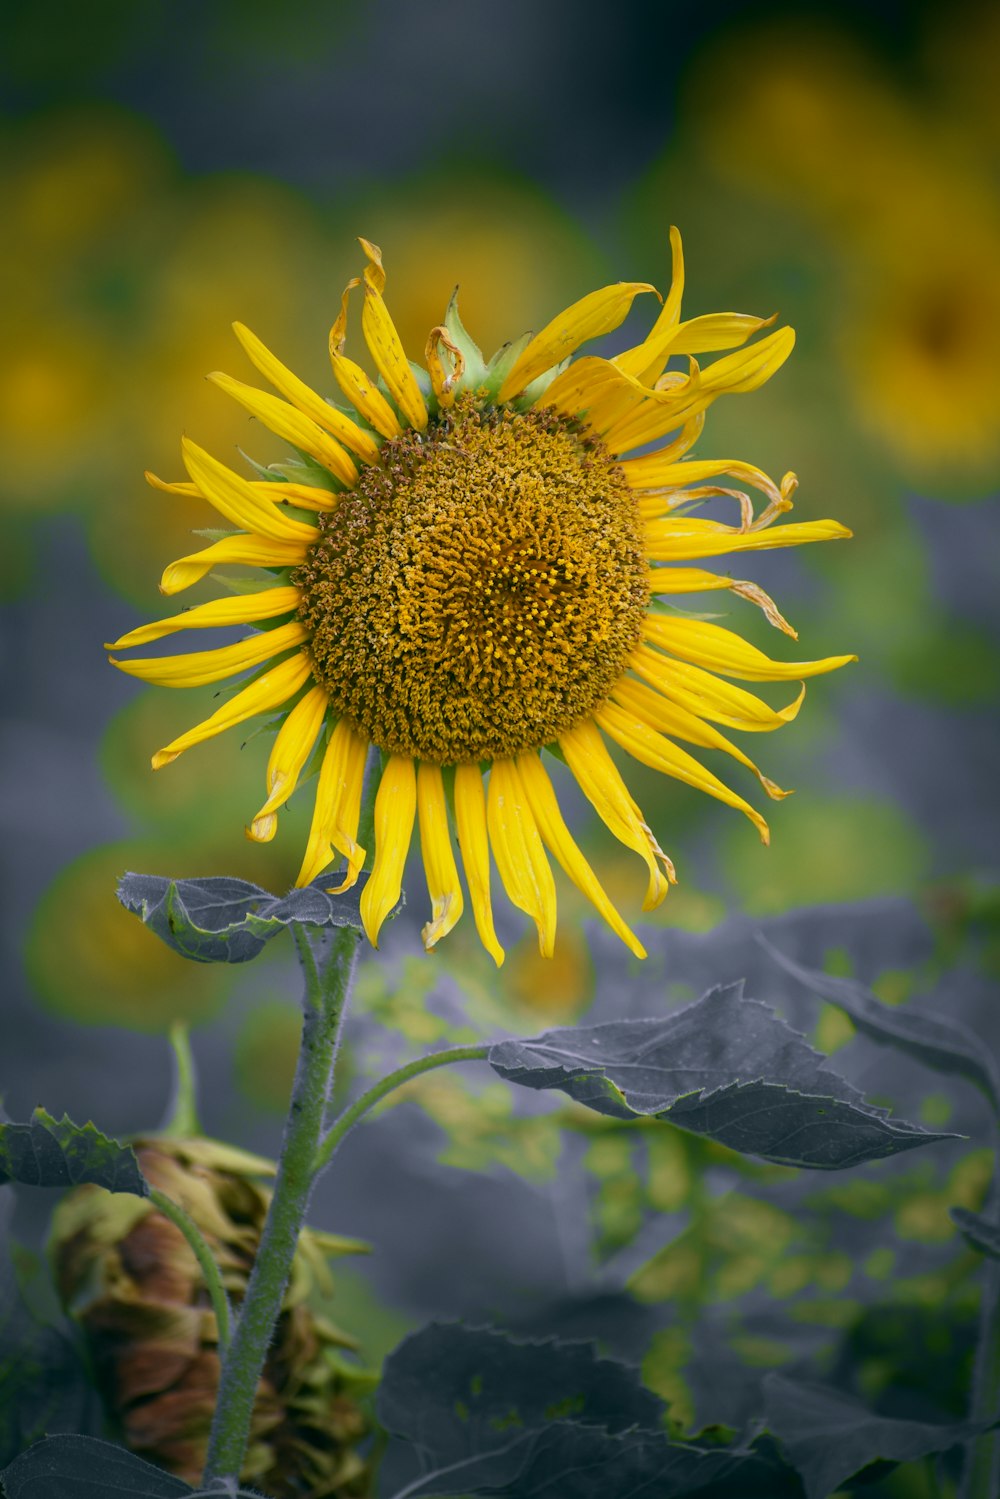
[[481, 589]]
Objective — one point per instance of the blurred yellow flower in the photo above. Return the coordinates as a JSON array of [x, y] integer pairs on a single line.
[[904, 192], [464, 568]]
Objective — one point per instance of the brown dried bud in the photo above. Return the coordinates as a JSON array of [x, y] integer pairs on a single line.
[[130, 1279]]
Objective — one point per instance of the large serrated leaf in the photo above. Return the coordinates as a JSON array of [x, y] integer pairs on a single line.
[[74, 1467], [829, 1436], [727, 1067], [944, 1044], [49, 1152], [219, 919], [471, 1411]]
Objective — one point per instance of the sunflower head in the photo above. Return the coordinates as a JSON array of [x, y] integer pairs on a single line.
[[466, 565]]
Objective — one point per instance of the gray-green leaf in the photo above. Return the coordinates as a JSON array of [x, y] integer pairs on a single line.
[[224, 920], [727, 1067], [944, 1044], [49, 1152], [978, 1231], [72, 1467], [829, 1436]]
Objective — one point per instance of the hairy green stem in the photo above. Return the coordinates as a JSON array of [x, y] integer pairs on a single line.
[[389, 1084], [206, 1262], [981, 1476], [327, 986]]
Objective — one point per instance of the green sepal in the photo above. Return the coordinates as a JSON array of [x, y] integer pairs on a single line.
[[474, 373]]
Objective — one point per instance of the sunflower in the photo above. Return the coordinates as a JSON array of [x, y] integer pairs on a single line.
[[464, 571]]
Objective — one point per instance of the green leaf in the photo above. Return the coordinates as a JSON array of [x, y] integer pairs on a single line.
[[946, 1045], [224, 920], [830, 1436], [471, 1411], [978, 1231], [51, 1152], [75, 1467], [44, 1384], [726, 1067]]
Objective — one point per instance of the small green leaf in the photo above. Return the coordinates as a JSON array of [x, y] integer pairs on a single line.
[[51, 1152], [978, 1231], [726, 1067], [224, 920]]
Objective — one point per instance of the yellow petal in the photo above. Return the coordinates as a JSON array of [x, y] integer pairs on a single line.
[[716, 330], [439, 860], [307, 496], [646, 360], [442, 380], [665, 580], [652, 749], [545, 809], [250, 551], [306, 399], [710, 697], [338, 801], [681, 537], [470, 816], [233, 498], [268, 692], [597, 313], [582, 386], [395, 810], [384, 343], [291, 749], [672, 718], [367, 399], [517, 849], [720, 650], [196, 668], [244, 609], [661, 470], [602, 785], [288, 422], [661, 411]]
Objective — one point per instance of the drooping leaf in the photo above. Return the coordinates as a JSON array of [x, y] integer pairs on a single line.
[[75, 1467], [471, 1411], [978, 1231], [49, 1152], [219, 919], [944, 1044], [43, 1382], [727, 1067], [829, 1436]]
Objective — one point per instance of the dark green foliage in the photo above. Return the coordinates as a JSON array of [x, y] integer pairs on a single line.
[[51, 1152], [224, 920], [727, 1067], [473, 1412], [830, 1436]]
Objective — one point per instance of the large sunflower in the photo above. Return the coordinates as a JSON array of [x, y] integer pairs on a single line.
[[463, 570]]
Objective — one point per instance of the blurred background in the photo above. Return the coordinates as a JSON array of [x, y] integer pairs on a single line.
[[168, 168]]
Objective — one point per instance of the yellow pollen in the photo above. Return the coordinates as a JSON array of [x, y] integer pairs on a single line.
[[479, 592]]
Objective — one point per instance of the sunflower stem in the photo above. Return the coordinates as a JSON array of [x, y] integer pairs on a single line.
[[202, 1253], [328, 983], [385, 1085]]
